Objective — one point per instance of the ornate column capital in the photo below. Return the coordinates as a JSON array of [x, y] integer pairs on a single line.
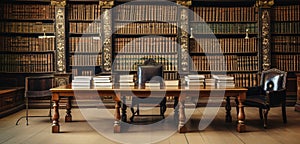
[[61, 3], [184, 2], [106, 3], [264, 3]]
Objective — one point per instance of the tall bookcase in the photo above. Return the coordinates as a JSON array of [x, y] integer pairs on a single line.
[[84, 44], [224, 38], [285, 36], [144, 30], [27, 42], [285, 44]]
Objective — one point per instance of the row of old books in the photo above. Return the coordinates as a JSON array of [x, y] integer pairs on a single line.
[[224, 28], [27, 62], [224, 45], [26, 44], [146, 45], [84, 11], [286, 27], [225, 63], [85, 28], [225, 14], [286, 13], [130, 62], [145, 28], [83, 72], [27, 11], [144, 12], [286, 44], [85, 44], [26, 27], [85, 60], [287, 62]]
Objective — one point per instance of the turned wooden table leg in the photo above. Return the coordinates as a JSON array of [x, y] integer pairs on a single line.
[[68, 117], [241, 127], [117, 125], [124, 107], [228, 117], [182, 117], [55, 117]]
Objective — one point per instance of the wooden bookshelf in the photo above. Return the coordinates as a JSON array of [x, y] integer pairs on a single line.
[[145, 30], [285, 43], [224, 39], [285, 37], [22, 45], [84, 37]]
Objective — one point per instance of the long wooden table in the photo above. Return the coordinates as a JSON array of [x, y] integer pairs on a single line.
[[119, 94]]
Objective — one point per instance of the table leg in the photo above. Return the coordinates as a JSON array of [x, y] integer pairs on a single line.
[[117, 126], [176, 108], [182, 117], [228, 117], [68, 117], [241, 127], [55, 117], [124, 107]]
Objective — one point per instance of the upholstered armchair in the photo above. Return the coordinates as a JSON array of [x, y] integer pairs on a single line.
[[270, 93]]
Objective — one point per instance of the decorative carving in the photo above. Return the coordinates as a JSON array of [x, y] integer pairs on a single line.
[[107, 51], [60, 39], [184, 2], [264, 3], [184, 41], [266, 39], [61, 81], [60, 3], [106, 3]]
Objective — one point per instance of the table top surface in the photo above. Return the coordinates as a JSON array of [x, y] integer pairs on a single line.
[[172, 88]]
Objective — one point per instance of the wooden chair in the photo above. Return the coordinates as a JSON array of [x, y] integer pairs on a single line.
[[37, 87], [146, 72], [271, 93]]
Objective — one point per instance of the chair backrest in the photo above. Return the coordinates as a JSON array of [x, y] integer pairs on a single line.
[[38, 86], [150, 70], [273, 79]]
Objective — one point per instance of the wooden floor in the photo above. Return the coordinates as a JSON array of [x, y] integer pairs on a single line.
[[218, 132]]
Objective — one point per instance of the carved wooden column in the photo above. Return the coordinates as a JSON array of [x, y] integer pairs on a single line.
[[107, 31], [184, 66], [61, 77], [264, 32]]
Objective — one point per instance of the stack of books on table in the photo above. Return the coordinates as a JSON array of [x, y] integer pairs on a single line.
[[152, 84], [102, 81], [224, 81], [171, 83], [194, 80], [126, 81], [210, 82], [81, 82]]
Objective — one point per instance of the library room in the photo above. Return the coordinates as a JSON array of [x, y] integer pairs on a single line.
[[150, 71]]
